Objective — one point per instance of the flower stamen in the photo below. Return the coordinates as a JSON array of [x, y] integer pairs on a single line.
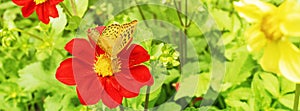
[[270, 27], [39, 1], [105, 66]]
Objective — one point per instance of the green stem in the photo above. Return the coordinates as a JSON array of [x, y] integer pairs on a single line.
[[178, 13], [186, 12], [121, 108], [147, 98], [222, 105], [141, 12], [126, 102], [296, 99], [66, 9], [30, 34]]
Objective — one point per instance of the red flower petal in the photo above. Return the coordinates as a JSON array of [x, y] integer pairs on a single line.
[[100, 29], [127, 82], [114, 83], [142, 74], [81, 48], [53, 11], [80, 98], [93, 34], [111, 96], [122, 91], [134, 55], [28, 9], [108, 101], [64, 72], [127, 94], [42, 12], [87, 82], [54, 2], [22, 2]]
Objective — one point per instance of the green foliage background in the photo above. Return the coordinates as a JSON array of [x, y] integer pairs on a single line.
[[31, 51]]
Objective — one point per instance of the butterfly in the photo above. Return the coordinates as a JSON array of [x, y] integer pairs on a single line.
[[114, 37]]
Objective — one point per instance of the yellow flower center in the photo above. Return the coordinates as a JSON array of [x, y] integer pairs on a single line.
[[39, 1], [270, 27], [105, 66]]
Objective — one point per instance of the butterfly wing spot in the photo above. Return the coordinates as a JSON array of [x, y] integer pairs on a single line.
[[115, 37]]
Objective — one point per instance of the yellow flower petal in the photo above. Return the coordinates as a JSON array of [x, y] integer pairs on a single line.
[[255, 38], [290, 26], [289, 6], [289, 62], [252, 10], [270, 58]]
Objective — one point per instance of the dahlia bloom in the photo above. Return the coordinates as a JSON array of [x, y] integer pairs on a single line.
[[270, 31], [44, 8], [91, 70]]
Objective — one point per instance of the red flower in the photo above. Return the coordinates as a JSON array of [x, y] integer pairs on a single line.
[[92, 71], [43, 8]]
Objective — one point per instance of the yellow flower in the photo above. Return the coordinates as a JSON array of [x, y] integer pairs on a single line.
[[270, 31]]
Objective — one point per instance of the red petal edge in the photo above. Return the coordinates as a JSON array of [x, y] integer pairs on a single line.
[[80, 98], [142, 74], [81, 49], [64, 72]]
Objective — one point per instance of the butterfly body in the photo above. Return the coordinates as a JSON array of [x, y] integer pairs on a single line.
[[115, 37]]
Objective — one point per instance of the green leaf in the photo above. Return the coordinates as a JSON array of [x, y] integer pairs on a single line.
[[238, 97], [262, 98], [222, 19], [237, 104], [169, 106], [203, 84], [288, 100], [81, 7], [8, 18], [240, 94], [52, 104], [154, 97], [286, 85], [173, 74], [33, 77], [73, 23], [271, 84], [187, 87], [58, 24], [239, 69], [6, 5]]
